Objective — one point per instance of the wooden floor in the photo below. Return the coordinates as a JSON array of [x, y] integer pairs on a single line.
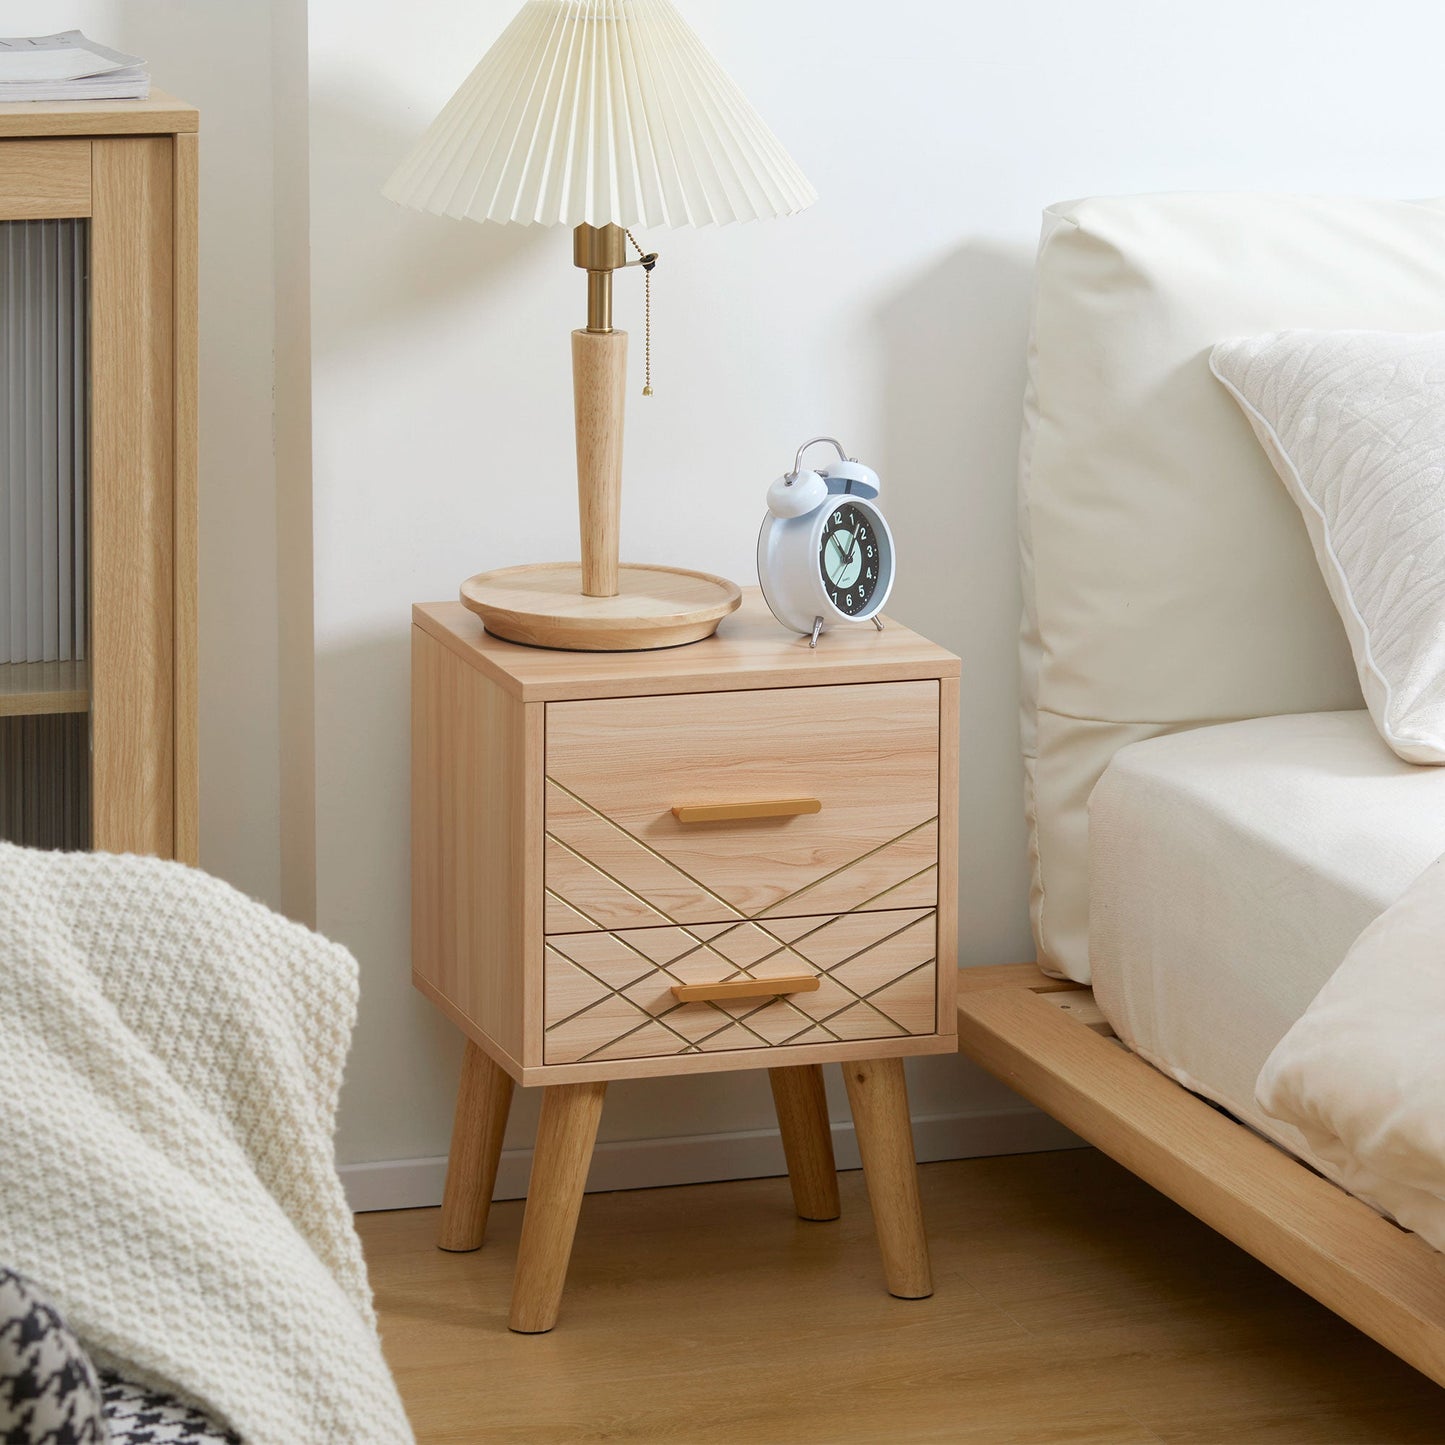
[[1073, 1304]]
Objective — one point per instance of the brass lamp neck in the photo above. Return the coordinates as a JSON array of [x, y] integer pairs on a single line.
[[599, 301], [599, 250]]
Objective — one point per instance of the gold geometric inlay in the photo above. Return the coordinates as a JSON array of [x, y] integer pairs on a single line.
[[597, 872], [606, 998]]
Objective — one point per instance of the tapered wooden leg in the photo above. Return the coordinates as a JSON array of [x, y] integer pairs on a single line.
[[879, 1097], [565, 1136], [802, 1105], [484, 1099]]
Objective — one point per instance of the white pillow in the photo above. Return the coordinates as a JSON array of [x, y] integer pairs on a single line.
[[1362, 1073], [1354, 422]]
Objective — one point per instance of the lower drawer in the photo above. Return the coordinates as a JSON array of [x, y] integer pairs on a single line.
[[838, 977]]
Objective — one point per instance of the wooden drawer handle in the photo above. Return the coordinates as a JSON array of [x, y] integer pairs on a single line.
[[718, 812], [745, 988]]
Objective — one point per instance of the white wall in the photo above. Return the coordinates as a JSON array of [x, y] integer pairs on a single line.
[[893, 313]]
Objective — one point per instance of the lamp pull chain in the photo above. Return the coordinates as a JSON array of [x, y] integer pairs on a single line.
[[648, 260]]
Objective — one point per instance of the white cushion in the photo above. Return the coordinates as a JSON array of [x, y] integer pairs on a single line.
[[1168, 582], [1362, 1073], [1354, 422]]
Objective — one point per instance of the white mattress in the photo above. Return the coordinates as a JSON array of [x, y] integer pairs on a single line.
[[1231, 867]]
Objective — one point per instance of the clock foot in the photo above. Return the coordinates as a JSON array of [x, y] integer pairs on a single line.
[[878, 623], [817, 628]]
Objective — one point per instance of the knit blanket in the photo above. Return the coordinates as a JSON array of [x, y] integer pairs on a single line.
[[170, 1059]]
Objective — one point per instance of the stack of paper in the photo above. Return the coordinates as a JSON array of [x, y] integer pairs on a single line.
[[69, 67]]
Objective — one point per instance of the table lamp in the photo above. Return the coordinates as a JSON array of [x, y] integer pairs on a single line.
[[601, 115]]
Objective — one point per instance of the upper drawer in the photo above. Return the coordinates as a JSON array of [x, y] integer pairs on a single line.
[[618, 857]]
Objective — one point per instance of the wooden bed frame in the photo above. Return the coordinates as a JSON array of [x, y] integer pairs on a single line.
[[1047, 1039]]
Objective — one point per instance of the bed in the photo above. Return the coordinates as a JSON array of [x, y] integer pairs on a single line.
[[1213, 817]]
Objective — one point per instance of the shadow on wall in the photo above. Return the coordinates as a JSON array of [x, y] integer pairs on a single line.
[[954, 342], [430, 262], [404, 1054]]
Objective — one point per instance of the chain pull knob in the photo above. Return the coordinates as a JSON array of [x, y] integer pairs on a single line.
[[647, 260]]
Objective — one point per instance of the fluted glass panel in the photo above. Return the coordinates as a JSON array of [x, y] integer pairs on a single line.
[[44, 543]]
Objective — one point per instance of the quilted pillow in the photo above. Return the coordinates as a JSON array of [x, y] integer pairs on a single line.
[[49, 1393], [1354, 422]]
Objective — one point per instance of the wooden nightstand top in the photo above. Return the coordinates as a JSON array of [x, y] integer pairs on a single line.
[[750, 650]]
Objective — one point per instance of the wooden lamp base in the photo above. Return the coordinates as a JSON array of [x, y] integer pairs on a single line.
[[543, 606]]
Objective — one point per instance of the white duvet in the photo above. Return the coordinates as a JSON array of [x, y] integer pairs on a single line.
[[1362, 1073]]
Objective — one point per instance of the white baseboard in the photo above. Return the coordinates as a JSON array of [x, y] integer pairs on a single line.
[[703, 1158]]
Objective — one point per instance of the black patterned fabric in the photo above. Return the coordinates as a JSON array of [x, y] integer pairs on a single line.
[[138, 1416], [49, 1393]]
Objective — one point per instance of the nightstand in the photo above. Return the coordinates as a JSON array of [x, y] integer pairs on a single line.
[[738, 854]]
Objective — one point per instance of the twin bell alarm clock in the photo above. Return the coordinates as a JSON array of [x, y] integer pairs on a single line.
[[825, 554]]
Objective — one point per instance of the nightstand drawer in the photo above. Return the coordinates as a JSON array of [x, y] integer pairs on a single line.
[[864, 975], [716, 807]]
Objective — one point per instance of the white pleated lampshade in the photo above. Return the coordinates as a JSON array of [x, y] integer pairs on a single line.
[[600, 112]]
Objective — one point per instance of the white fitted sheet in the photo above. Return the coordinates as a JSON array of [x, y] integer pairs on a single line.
[[1231, 868]]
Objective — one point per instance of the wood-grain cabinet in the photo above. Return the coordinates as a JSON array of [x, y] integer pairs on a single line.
[[98, 488], [739, 854]]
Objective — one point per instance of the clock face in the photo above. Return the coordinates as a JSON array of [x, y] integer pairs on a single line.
[[851, 558]]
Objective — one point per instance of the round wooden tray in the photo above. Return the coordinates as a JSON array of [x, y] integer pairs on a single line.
[[543, 606]]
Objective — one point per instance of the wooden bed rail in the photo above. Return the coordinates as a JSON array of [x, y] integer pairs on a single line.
[[1384, 1280]]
